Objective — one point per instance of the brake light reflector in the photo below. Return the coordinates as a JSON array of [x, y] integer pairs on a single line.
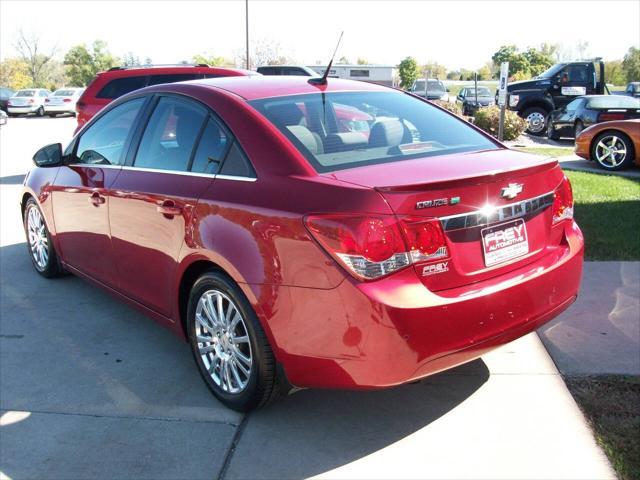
[[563, 201], [66, 100], [370, 247], [46, 100], [607, 117]]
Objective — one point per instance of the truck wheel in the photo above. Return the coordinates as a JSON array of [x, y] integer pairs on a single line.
[[612, 150], [536, 118]]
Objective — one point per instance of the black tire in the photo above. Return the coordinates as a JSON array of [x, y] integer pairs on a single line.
[[532, 123], [622, 162], [551, 132], [51, 267], [261, 384], [40, 111], [577, 129]]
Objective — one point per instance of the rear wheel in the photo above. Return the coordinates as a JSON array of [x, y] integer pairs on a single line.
[[40, 111], [41, 250], [536, 118], [228, 344], [612, 150]]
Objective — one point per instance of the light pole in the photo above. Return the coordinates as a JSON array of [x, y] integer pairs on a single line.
[[246, 16]]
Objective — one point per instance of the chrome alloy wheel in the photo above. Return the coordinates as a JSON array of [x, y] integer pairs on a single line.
[[38, 240], [611, 151], [536, 122], [223, 341]]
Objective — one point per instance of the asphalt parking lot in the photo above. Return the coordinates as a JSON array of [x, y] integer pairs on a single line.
[[91, 388]]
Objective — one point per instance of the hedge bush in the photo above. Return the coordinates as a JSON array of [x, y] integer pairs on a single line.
[[488, 119], [452, 107]]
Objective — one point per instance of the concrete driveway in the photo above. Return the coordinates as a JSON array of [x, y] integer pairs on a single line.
[[91, 389]]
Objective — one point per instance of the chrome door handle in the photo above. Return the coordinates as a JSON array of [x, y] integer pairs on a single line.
[[96, 199]]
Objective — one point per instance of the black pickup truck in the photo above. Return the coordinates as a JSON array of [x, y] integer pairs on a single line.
[[554, 88]]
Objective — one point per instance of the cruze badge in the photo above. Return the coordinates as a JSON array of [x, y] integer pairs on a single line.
[[437, 202], [511, 191]]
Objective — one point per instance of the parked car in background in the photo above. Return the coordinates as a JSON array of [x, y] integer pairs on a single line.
[[3, 117], [62, 101], [471, 102], [632, 90], [433, 89], [29, 100], [117, 81], [553, 89], [585, 111], [613, 145], [287, 70], [5, 95], [291, 251]]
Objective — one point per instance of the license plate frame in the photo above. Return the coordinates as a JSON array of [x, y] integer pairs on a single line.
[[504, 242]]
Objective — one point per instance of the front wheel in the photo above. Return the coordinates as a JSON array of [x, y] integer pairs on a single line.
[[612, 150], [536, 118], [41, 250], [229, 345]]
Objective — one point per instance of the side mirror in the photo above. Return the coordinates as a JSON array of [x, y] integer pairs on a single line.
[[49, 156]]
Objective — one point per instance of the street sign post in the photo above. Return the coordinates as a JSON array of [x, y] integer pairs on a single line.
[[502, 96]]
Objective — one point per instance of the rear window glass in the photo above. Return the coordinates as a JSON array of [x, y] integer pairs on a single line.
[[170, 78], [349, 129], [64, 93], [25, 93], [120, 86], [614, 101]]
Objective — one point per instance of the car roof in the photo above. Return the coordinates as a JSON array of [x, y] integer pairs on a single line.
[[256, 87]]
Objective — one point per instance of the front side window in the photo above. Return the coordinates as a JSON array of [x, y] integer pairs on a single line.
[[400, 127], [120, 86], [171, 133], [103, 141]]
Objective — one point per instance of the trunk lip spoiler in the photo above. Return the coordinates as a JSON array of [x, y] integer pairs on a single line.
[[484, 216]]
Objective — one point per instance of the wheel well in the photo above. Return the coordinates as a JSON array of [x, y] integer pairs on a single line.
[[544, 106], [189, 277], [23, 202]]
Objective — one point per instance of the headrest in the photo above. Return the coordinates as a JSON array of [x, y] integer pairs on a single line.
[[386, 133]]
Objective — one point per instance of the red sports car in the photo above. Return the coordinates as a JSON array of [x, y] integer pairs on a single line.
[[291, 250]]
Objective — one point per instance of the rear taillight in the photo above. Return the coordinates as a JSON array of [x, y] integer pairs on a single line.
[[370, 247], [563, 201], [46, 100], [80, 106], [31, 101], [607, 117], [66, 100]]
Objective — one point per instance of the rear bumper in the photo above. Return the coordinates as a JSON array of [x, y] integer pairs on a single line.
[[23, 109], [59, 108], [384, 333]]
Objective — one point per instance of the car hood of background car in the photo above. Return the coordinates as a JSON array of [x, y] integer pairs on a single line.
[[487, 164], [527, 84]]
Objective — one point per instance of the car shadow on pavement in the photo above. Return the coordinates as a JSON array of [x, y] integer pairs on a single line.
[[78, 359]]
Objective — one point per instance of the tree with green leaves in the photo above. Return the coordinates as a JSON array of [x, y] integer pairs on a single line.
[[213, 61], [408, 71], [631, 64], [362, 61], [518, 63], [539, 60], [83, 64], [14, 73], [434, 70], [614, 72]]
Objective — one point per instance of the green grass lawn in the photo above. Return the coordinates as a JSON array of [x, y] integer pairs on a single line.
[[607, 208], [548, 151], [611, 404]]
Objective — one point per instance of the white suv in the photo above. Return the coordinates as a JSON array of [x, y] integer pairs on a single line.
[[29, 100]]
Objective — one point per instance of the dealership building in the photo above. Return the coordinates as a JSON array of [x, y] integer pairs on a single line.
[[381, 74]]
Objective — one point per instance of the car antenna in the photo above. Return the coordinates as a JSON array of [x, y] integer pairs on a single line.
[[323, 80]]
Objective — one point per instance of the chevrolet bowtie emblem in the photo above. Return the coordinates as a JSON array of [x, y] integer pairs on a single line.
[[511, 191]]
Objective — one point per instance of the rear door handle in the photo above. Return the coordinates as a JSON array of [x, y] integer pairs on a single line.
[[96, 199], [169, 209]]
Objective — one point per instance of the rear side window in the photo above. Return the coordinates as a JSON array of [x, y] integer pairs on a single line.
[[236, 164], [178, 77], [103, 141], [168, 140], [120, 86], [329, 129], [211, 149]]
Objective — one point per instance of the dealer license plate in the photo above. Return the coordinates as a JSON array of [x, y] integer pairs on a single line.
[[504, 242]]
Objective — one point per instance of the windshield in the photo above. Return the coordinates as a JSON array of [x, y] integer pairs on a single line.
[[25, 93], [434, 86], [613, 101], [64, 93], [349, 129], [551, 71], [482, 92]]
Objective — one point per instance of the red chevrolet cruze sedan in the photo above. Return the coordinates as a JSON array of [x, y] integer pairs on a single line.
[[293, 246]]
